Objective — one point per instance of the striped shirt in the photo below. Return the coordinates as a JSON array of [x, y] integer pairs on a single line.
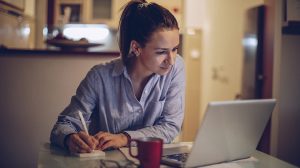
[[108, 103]]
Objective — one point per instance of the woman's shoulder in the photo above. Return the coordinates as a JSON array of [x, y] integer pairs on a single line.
[[106, 68], [107, 64]]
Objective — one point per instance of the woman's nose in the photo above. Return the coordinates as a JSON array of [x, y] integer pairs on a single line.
[[171, 58]]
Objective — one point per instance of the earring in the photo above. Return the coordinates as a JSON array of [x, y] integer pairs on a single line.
[[137, 54]]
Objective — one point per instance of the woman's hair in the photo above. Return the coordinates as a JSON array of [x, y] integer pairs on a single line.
[[139, 21]]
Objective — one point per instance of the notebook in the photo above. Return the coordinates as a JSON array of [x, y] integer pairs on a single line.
[[230, 131], [95, 153]]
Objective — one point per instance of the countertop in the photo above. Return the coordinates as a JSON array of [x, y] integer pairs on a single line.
[[45, 51]]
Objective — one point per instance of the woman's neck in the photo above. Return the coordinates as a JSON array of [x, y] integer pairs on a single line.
[[137, 72], [139, 77]]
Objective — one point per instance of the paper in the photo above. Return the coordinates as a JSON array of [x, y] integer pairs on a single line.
[[95, 153]]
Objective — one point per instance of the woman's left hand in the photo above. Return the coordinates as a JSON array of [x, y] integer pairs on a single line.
[[107, 140]]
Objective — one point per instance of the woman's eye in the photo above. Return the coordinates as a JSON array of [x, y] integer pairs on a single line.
[[175, 49], [161, 52]]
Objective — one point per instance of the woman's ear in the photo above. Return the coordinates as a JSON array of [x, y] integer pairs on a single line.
[[135, 48]]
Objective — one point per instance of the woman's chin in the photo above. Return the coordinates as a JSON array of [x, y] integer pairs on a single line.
[[163, 71]]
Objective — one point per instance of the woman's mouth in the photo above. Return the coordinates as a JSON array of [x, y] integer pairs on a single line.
[[166, 68]]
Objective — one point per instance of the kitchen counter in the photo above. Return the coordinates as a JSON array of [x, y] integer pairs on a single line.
[[36, 85], [57, 52]]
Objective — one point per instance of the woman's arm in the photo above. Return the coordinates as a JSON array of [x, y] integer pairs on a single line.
[[68, 121]]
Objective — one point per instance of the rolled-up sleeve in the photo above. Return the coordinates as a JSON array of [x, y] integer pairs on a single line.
[[68, 121]]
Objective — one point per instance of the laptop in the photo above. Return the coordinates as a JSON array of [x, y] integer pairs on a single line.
[[230, 131]]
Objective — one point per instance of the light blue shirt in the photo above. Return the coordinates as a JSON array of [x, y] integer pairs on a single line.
[[108, 103]]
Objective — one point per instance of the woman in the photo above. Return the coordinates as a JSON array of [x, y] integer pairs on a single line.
[[139, 95]]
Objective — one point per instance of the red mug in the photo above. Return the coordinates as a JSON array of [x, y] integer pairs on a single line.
[[149, 151]]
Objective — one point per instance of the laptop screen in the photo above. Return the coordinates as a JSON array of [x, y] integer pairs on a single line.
[[230, 130]]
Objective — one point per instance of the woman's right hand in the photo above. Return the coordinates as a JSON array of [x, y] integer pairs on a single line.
[[81, 143]]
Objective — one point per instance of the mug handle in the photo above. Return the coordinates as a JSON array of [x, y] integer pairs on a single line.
[[130, 153]]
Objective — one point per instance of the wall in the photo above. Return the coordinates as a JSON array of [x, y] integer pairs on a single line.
[[285, 127], [193, 13], [222, 48], [214, 29], [34, 90], [289, 116], [216, 73], [192, 50], [276, 13], [221, 63]]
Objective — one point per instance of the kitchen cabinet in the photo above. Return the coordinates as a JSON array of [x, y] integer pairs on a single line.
[[87, 11], [103, 11], [17, 25], [17, 4], [70, 11]]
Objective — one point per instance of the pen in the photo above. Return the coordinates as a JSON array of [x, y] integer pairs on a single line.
[[83, 122]]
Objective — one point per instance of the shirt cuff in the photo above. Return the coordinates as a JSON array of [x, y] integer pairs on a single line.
[[135, 134], [58, 136]]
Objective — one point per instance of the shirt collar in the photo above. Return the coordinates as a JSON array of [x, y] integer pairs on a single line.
[[119, 67]]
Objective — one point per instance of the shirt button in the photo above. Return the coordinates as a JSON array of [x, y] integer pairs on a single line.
[[146, 91]]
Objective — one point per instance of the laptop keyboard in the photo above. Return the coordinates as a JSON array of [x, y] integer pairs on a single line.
[[182, 157]]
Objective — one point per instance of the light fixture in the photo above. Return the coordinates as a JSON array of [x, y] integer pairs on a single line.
[[91, 32]]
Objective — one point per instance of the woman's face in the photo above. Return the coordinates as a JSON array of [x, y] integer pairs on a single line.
[[159, 54]]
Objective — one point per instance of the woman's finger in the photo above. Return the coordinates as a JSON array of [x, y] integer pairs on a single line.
[[101, 134], [89, 140], [105, 139], [108, 144], [81, 144]]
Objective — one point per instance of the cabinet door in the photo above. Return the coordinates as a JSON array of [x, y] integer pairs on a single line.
[[100, 11], [105, 11], [74, 14], [17, 4]]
